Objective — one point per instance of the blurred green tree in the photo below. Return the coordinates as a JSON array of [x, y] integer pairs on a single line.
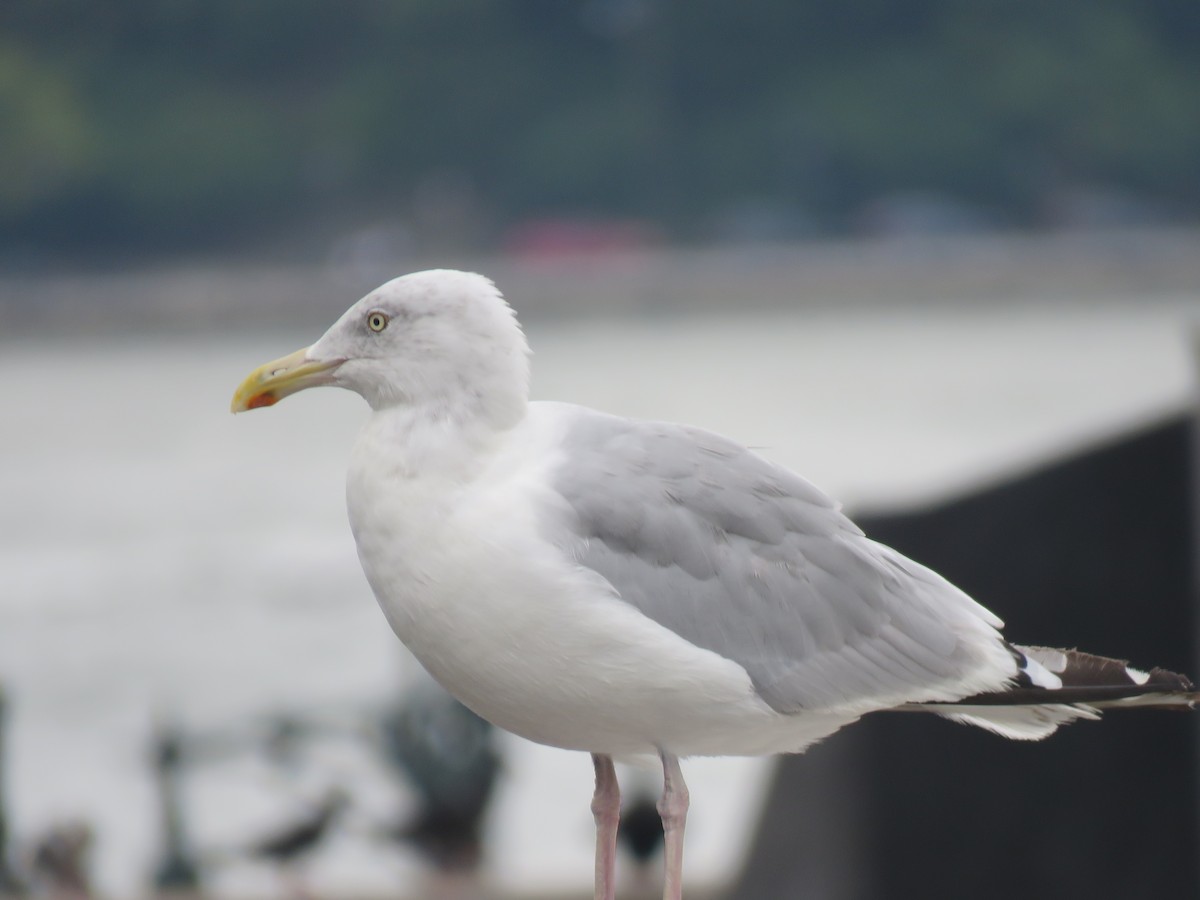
[[163, 124]]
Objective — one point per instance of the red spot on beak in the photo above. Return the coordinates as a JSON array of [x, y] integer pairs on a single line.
[[260, 400]]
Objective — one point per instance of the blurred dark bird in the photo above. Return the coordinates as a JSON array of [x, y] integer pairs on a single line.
[[641, 839], [61, 861], [289, 845], [447, 756], [640, 832], [300, 837]]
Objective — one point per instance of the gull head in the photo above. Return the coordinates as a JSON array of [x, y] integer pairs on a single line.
[[441, 340]]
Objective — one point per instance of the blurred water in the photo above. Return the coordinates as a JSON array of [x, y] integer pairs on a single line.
[[158, 554]]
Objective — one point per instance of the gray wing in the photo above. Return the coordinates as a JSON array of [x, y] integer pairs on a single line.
[[744, 558]]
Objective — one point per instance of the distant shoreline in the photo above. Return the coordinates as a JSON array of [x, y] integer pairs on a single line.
[[1012, 268]]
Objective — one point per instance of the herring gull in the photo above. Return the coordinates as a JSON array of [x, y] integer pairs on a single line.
[[628, 587]]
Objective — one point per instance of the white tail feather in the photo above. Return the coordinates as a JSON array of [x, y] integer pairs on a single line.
[[1020, 723]]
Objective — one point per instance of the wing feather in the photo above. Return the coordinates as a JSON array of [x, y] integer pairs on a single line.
[[748, 560]]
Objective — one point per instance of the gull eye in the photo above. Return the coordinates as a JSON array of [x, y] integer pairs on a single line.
[[377, 320]]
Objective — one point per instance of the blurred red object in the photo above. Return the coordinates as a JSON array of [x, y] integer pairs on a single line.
[[551, 238]]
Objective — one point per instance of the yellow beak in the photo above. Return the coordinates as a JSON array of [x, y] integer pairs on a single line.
[[269, 384]]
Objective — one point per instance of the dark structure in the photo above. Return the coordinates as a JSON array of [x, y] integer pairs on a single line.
[[1096, 551], [10, 884], [176, 869]]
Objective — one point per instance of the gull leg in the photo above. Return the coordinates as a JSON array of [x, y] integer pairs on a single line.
[[673, 808], [606, 808]]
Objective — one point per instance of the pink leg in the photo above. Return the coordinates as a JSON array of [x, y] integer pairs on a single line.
[[673, 808], [606, 808]]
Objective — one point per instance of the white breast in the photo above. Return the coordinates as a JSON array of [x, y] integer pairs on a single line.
[[454, 552]]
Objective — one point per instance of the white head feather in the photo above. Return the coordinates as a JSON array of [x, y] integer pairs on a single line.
[[449, 344]]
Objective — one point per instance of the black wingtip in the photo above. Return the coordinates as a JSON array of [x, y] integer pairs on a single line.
[[1088, 679]]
